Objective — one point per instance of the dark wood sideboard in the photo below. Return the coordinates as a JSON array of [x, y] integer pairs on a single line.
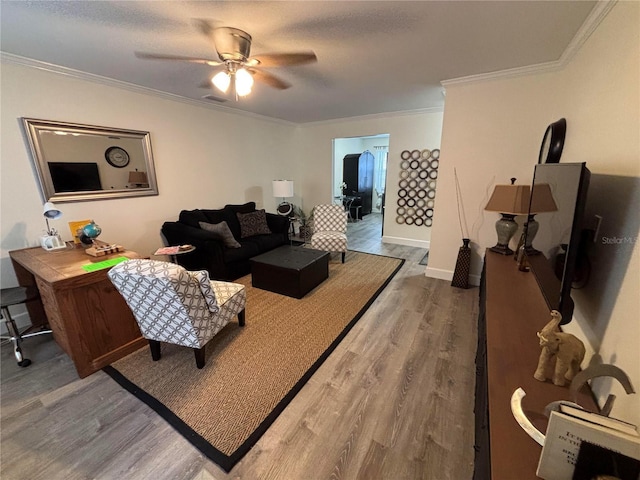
[[512, 310], [89, 318]]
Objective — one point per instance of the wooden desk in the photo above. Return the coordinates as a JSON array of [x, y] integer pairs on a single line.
[[89, 318], [508, 352]]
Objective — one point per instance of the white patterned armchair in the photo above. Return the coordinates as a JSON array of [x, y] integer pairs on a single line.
[[174, 305], [330, 229]]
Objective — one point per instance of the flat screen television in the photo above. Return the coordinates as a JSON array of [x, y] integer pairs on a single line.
[[75, 176], [556, 243]]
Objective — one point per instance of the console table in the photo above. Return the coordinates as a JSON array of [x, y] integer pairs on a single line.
[[89, 318], [512, 310]]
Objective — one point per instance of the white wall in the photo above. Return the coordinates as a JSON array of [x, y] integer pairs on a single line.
[[407, 132], [204, 158], [600, 90], [342, 147], [492, 131]]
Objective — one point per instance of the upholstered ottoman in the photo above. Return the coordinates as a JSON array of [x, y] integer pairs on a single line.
[[291, 271]]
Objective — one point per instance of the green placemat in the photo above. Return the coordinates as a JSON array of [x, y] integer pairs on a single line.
[[92, 267]]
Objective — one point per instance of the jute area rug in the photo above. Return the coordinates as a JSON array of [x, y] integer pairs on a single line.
[[252, 373]]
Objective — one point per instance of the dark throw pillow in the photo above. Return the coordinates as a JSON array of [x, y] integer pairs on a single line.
[[221, 232], [254, 223]]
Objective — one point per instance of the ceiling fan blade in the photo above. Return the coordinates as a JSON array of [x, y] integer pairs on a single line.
[[204, 26], [282, 59], [269, 79], [161, 56]]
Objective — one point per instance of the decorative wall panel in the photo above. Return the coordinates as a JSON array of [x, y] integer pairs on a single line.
[[417, 186]]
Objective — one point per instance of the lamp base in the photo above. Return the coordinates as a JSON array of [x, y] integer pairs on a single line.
[[501, 249], [506, 226], [284, 209]]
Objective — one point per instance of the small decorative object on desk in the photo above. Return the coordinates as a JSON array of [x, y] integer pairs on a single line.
[[100, 249], [561, 352], [76, 229], [89, 233], [174, 250]]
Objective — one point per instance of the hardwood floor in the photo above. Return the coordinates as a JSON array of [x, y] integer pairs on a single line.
[[393, 401]]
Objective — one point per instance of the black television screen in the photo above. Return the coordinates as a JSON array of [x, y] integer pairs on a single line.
[[558, 237], [75, 176]]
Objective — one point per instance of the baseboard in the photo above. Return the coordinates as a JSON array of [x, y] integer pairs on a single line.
[[448, 275], [409, 242]]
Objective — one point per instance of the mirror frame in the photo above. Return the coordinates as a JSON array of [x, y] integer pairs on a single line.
[[33, 127]]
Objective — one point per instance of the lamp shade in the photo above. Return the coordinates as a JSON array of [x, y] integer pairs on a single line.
[[138, 177], [510, 199], [282, 188], [244, 82], [542, 199], [51, 211], [221, 80]]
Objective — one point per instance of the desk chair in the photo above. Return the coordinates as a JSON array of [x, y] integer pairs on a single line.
[[16, 296], [174, 305]]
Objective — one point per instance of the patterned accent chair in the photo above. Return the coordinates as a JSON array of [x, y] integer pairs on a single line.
[[174, 305], [330, 229]]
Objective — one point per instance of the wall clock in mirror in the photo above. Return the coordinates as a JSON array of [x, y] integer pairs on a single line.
[[117, 157]]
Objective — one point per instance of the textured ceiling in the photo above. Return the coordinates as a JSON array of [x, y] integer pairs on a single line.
[[373, 56]]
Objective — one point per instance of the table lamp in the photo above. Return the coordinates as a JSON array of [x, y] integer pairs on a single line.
[[138, 179], [283, 189], [51, 241], [541, 202], [509, 201]]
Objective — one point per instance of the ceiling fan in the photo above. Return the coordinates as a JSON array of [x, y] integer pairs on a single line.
[[239, 69]]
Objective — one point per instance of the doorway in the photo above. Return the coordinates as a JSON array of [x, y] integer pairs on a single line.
[[369, 186]]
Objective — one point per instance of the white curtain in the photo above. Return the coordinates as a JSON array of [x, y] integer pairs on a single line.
[[380, 169], [379, 175]]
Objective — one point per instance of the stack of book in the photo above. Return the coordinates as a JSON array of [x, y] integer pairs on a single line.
[[584, 445]]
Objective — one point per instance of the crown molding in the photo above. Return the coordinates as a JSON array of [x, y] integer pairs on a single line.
[[10, 58], [593, 20], [596, 16], [373, 116]]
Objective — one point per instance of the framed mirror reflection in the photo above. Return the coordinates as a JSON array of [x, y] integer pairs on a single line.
[[77, 162]]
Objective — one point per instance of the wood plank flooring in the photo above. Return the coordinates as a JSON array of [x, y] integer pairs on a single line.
[[393, 401]]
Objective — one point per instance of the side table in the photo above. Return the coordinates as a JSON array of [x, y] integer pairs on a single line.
[[173, 252]]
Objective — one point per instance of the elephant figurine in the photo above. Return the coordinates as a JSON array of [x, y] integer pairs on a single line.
[[565, 349]]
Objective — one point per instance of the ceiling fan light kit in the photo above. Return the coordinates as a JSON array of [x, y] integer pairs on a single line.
[[221, 81], [242, 81], [233, 47]]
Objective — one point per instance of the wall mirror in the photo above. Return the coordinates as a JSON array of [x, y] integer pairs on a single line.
[[86, 162]]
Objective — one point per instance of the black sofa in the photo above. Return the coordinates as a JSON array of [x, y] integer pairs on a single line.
[[211, 254]]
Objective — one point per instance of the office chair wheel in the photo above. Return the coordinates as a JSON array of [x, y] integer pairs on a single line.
[[22, 362]]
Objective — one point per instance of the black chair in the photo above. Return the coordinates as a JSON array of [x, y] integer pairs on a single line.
[[16, 296], [352, 205]]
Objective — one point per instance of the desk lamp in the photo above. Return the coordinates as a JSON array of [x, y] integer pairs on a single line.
[[51, 241]]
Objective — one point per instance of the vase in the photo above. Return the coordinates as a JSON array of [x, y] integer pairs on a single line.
[[463, 264]]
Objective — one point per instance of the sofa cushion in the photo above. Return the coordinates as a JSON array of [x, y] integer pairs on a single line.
[[193, 218], [244, 208], [265, 242], [215, 216], [221, 232], [230, 212], [254, 223], [247, 251]]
